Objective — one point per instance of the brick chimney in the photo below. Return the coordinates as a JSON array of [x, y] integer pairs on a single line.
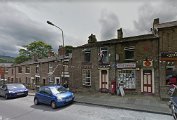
[[61, 51], [156, 21], [119, 33]]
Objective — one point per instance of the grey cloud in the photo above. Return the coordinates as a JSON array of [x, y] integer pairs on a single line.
[[165, 11], [109, 24], [17, 29]]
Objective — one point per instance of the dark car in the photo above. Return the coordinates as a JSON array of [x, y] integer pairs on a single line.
[[55, 96], [13, 90], [173, 103]]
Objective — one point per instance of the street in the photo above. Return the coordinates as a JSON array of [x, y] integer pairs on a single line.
[[24, 109]]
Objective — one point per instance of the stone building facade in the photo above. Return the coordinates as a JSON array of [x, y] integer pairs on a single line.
[[96, 65], [52, 70], [167, 33]]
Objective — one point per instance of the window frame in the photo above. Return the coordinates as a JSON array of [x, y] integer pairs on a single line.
[[37, 68], [27, 70], [86, 76], [19, 69], [104, 59], [50, 67], [87, 55], [129, 49]]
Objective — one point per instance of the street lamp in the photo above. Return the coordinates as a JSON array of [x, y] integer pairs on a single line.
[[50, 23]]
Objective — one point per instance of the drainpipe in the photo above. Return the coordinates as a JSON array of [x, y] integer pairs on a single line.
[[15, 73]]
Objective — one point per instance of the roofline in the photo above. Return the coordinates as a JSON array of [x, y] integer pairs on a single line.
[[122, 40]]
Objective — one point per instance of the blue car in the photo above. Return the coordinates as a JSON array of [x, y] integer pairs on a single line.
[[55, 96], [13, 90]]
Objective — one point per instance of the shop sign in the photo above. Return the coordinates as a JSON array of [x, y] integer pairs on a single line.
[[147, 63], [126, 65], [168, 55]]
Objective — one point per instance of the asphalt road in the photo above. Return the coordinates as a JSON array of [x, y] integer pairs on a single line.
[[24, 109]]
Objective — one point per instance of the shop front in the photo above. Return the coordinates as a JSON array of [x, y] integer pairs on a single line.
[[126, 75], [168, 72]]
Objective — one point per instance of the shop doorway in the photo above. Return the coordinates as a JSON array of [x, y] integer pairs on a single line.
[[104, 80], [147, 81]]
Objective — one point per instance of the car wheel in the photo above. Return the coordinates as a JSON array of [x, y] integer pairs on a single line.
[[36, 101], [6, 96], [53, 105]]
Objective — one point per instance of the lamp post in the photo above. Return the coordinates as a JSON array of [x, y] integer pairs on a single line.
[[50, 23]]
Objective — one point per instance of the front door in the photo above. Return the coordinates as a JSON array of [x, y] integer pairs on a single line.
[[147, 81], [104, 81], [57, 80]]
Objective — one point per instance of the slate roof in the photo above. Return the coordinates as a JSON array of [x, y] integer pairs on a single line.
[[123, 40], [166, 24]]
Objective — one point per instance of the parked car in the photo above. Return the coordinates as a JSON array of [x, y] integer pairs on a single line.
[[55, 96], [173, 103], [13, 90]]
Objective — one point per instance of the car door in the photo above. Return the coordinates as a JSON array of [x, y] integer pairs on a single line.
[[40, 95], [47, 96]]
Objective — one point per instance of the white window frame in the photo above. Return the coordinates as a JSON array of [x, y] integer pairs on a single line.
[[103, 49], [50, 67], [84, 77]]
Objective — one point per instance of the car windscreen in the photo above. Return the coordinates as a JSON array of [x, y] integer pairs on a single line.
[[13, 86], [58, 90]]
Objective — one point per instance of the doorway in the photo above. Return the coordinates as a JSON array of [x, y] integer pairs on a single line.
[[104, 87], [147, 81]]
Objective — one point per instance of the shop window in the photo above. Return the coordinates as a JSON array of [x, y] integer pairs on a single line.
[[86, 77], [128, 78], [129, 53], [170, 75], [104, 55], [87, 55]]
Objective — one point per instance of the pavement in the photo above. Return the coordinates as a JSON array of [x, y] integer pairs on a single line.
[[143, 103]]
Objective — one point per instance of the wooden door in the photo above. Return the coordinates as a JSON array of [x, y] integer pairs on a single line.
[[104, 80], [147, 81]]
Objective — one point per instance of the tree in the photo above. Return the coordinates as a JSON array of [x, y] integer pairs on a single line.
[[37, 49], [68, 49]]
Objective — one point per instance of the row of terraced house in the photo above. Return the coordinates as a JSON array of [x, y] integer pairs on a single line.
[[142, 63]]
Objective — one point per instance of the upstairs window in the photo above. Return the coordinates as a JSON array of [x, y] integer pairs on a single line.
[[86, 77], [50, 67], [27, 70], [87, 55], [104, 56], [12, 71], [37, 68], [129, 53], [19, 69]]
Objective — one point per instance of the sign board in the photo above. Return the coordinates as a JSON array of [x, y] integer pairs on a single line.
[[147, 63], [168, 56], [126, 65]]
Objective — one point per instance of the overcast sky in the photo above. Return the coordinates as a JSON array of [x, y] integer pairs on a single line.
[[24, 22]]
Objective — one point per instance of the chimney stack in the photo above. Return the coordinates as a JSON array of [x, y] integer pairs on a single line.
[[156, 21], [119, 33]]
